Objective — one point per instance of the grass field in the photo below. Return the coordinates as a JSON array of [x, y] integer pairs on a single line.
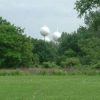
[[69, 87]]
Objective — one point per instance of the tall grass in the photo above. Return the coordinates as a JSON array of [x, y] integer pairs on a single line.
[[49, 71]]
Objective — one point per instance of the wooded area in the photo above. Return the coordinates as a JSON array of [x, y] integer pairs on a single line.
[[78, 49]]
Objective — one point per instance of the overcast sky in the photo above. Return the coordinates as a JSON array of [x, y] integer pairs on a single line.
[[33, 14]]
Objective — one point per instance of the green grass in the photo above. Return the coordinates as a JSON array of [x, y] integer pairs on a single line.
[[69, 87]]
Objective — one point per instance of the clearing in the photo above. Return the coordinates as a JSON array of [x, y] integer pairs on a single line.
[[39, 87]]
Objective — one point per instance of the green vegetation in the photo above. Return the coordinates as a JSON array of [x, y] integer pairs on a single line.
[[50, 87], [15, 48], [85, 6], [72, 61], [72, 50]]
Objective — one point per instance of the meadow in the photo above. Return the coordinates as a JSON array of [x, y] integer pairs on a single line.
[[46, 87]]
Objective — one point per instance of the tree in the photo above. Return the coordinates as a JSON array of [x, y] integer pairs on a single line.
[[46, 51], [92, 20], [91, 49], [85, 6], [15, 48], [68, 41]]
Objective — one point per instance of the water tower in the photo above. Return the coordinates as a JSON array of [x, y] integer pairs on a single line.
[[44, 31], [56, 35]]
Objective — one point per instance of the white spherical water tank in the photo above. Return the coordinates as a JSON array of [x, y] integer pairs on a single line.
[[56, 35], [44, 31]]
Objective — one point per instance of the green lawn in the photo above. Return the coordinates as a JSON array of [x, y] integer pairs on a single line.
[[50, 87]]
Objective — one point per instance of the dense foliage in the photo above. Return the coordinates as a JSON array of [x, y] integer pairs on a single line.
[[15, 48], [80, 48]]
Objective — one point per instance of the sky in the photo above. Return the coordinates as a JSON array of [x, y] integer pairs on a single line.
[[33, 14]]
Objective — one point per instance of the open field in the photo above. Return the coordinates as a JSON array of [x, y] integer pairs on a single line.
[[39, 87]]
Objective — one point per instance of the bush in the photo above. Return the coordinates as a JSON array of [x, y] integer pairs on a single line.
[[37, 66], [49, 64], [97, 66], [70, 62], [70, 53]]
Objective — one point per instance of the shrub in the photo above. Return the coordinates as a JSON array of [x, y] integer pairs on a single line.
[[70, 53], [49, 64], [97, 66], [70, 62]]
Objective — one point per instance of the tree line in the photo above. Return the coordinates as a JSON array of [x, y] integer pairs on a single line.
[[76, 49]]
